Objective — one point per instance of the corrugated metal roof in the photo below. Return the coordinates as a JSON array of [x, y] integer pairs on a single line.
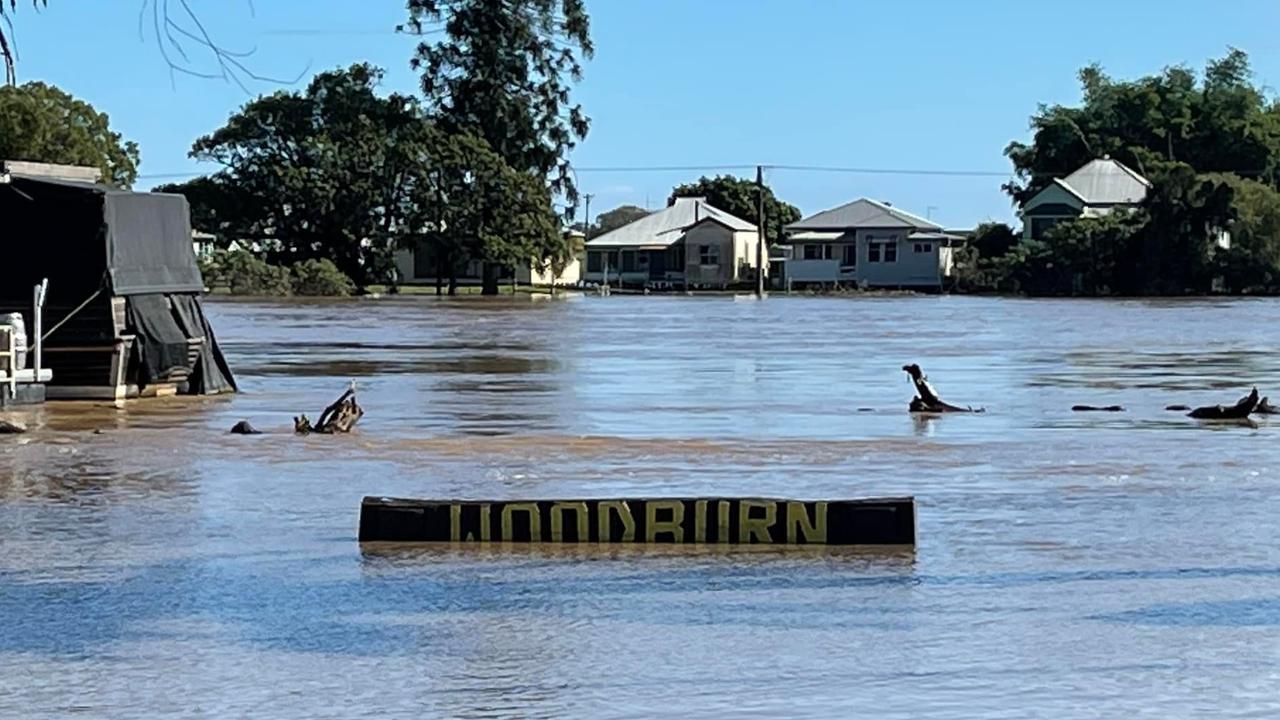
[[1107, 182], [666, 227], [863, 213]]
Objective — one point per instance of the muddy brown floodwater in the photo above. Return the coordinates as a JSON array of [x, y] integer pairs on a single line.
[[1069, 565]]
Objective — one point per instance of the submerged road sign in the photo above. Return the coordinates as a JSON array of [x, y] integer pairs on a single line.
[[734, 521]]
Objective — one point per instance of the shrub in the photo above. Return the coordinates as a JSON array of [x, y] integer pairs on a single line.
[[320, 278], [244, 274]]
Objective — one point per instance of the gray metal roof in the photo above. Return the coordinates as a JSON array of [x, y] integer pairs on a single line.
[[863, 214], [666, 227], [1107, 182]]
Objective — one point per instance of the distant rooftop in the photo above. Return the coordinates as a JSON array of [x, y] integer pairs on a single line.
[[665, 227], [1107, 182], [863, 213]]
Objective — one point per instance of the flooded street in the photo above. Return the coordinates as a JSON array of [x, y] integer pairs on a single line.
[[1070, 565]]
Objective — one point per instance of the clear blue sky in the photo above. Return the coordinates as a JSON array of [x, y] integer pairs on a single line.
[[935, 84]]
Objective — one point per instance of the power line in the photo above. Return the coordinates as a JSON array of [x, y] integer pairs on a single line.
[[728, 168], [892, 171]]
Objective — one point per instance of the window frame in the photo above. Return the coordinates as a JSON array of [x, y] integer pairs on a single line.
[[706, 251]]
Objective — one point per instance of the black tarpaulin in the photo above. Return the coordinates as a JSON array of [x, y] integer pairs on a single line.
[[74, 233], [149, 244], [159, 343], [211, 374]]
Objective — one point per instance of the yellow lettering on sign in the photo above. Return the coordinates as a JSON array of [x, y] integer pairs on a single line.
[[486, 523], [535, 522], [700, 521], [722, 521], [673, 526], [557, 520], [624, 513], [798, 523], [455, 523], [757, 528]]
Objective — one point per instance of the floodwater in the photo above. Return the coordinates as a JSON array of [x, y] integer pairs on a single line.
[[1069, 565]]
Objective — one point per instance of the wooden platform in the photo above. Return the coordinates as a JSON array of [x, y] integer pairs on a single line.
[[733, 521]]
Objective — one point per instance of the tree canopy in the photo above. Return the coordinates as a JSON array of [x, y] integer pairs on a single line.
[[41, 123], [503, 73], [338, 171], [738, 197], [611, 220], [1222, 122], [1209, 145], [313, 174]]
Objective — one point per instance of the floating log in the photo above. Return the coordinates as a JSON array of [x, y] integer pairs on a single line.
[[732, 521], [1094, 408], [928, 400], [1240, 411], [339, 417], [1178, 408]]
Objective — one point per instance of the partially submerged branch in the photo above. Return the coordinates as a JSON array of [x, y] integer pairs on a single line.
[[339, 417], [927, 400]]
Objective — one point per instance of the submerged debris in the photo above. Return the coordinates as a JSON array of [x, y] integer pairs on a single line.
[[244, 428], [11, 428], [339, 417], [927, 400], [1266, 408], [1094, 408], [1239, 411], [1178, 408]]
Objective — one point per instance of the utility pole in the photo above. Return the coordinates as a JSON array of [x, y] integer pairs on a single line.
[[760, 239], [586, 226]]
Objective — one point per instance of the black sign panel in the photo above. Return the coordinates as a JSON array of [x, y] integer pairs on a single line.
[[733, 521]]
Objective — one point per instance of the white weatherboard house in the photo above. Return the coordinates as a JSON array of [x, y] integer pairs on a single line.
[[689, 244], [417, 266], [1098, 188], [870, 244]]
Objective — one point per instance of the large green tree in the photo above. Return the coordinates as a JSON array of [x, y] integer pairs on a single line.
[[41, 123], [315, 174], [503, 72], [467, 203], [1222, 122], [738, 197]]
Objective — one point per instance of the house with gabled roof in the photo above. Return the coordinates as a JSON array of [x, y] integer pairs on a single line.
[[869, 244], [1099, 187], [689, 244]]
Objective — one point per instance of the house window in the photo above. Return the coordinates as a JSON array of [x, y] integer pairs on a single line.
[[628, 261], [709, 254], [594, 261], [924, 247], [882, 250], [1041, 225], [812, 252], [849, 255]]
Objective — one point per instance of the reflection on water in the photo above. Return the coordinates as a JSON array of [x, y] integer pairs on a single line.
[[1070, 564]]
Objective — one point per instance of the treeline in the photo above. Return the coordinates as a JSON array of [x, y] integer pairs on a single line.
[[466, 172], [1210, 147]]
